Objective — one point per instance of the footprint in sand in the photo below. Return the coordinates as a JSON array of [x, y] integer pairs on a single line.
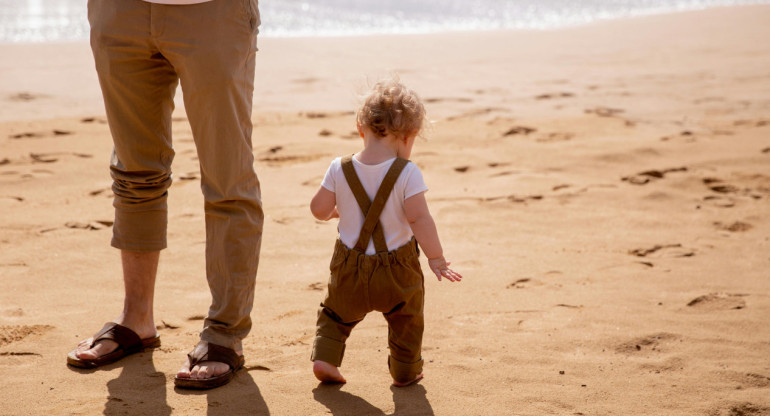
[[479, 112], [312, 114], [555, 137], [37, 173], [718, 302], [719, 201], [519, 284], [503, 173], [325, 133], [51, 157], [655, 342], [282, 220], [554, 95], [752, 123], [316, 286], [19, 353], [290, 159], [718, 186], [740, 409], [314, 181], [165, 325], [289, 314], [25, 96], [604, 111], [13, 312], [92, 226], [40, 135], [687, 135], [14, 333], [107, 191], [189, 176], [445, 99], [516, 130], [662, 250], [273, 150], [271, 157], [42, 158], [353, 134], [724, 195], [88, 120], [735, 227], [511, 198], [754, 380], [498, 164], [647, 176]]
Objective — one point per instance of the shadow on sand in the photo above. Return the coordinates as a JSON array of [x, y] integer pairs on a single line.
[[410, 400], [139, 390], [240, 397]]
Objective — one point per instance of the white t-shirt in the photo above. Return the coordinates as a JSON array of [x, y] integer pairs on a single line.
[[177, 1], [393, 218]]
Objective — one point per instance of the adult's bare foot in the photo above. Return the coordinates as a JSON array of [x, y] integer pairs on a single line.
[[327, 373], [408, 383]]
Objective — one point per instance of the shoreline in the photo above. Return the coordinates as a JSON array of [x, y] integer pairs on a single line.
[[428, 31], [63, 78]]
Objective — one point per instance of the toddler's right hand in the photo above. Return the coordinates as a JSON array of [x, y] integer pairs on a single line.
[[440, 267]]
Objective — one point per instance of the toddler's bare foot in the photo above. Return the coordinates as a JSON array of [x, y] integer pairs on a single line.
[[408, 383], [327, 373]]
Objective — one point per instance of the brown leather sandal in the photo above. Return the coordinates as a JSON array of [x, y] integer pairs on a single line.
[[206, 351], [128, 343]]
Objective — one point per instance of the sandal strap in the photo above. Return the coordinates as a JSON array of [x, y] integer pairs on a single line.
[[125, 337], [206, 351]]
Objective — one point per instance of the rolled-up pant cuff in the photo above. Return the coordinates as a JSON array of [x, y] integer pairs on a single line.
[[139, 231], [215, 337], [404, 372], [328, 350]]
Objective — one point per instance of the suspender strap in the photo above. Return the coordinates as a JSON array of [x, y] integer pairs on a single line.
[[372, 209]]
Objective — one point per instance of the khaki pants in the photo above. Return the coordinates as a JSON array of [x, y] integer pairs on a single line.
[[142, 51], [391, 283]]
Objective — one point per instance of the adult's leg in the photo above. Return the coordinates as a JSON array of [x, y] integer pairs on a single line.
[[213, 45], [139, 271], [138, 86]]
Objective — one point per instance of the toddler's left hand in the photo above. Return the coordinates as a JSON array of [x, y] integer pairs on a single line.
[[440, 267]]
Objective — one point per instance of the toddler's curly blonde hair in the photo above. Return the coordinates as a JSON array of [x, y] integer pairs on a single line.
[[390, 107]]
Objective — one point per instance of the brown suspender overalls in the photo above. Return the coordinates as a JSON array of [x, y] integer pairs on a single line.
[[388, 282]]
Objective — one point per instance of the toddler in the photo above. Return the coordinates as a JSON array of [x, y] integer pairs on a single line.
[[379, 198]]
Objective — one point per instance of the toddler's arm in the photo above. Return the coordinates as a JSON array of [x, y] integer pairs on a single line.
[[324, 205], [424, 229]]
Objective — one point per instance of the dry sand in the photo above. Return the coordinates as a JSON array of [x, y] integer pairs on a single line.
[[605, 191]]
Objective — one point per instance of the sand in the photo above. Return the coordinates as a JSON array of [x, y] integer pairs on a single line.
[[604, 190]]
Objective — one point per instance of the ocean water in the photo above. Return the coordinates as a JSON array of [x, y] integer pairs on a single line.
[[65, 20]]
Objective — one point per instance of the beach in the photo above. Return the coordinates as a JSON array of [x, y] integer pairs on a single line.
[[604, 190]]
